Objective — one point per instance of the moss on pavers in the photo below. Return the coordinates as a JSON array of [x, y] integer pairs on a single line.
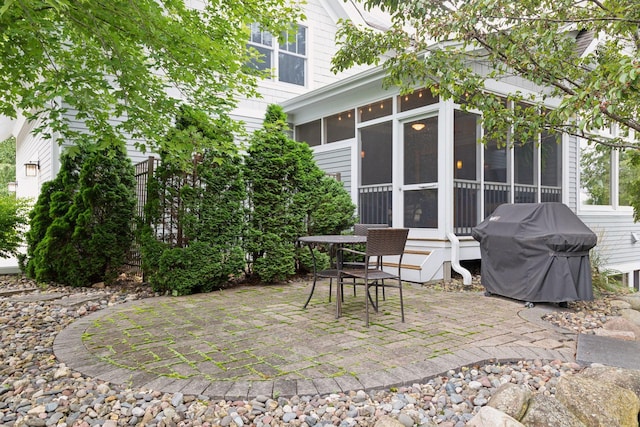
[[244, 335]]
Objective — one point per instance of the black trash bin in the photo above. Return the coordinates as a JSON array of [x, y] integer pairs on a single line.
[[536, 252]]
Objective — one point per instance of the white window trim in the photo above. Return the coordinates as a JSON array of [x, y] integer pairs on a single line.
[[614, 208], [274, 80]]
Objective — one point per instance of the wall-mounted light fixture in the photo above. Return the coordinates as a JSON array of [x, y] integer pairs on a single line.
[[459, 164], [418, 126], [32, 168], [634, 236], [12, 186]]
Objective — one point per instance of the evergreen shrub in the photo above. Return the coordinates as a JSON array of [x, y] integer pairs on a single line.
[[205, 201], [288, 196], [80, 228]]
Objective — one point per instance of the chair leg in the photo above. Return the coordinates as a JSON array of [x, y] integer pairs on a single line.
[[330, 287], [378, 286], [313, 287], [374, 304], [366, 303], [401, 300]]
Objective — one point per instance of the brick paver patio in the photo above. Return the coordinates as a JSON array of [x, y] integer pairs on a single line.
[[247, 341]]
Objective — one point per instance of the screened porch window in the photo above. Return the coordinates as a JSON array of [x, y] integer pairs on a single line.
[[375, 154], [421, 167], [550, 167], [375, 110], [376, 167], [340, 126], [466, 133], [416, 99], [311, 133]]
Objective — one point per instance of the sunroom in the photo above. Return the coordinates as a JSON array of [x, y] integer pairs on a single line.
[[416, 161]]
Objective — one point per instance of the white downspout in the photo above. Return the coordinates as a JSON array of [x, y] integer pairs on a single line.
[[455, 259]]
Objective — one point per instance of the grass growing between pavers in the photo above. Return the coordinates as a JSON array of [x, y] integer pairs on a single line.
[[262, 333]]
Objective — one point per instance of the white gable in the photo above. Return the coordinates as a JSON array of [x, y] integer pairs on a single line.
[[322, 23]]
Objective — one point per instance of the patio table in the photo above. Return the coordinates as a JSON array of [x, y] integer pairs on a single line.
[[333, 241]]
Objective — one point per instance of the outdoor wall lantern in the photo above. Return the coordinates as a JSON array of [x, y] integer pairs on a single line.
[[12, 186], [31, 168]]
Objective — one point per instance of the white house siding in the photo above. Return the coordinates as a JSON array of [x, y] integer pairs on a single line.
[[321, 30], [33, 148], [570, 174], [336, 162], [616, 249], [135, 154]]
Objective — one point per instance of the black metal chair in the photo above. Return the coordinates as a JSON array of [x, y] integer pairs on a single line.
[[381, 242]]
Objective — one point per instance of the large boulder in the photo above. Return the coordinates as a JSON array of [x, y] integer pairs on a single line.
[[625, 378], [545, 411], [619, 323], [511, 399], [491, 417], [598, 403], [633, 300], [631, 314]]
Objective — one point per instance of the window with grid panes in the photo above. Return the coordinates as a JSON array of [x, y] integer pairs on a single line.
[[290, 51]]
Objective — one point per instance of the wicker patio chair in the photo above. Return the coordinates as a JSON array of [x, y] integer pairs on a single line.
[[359, 230], [381, 242]]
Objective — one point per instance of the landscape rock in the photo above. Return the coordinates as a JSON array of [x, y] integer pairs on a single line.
[[625, 378], [598, 403], [619, 323], [545, 411], [632, 315], [620, 335], [633, 300], [492, 417], [511, 399], [36, 389], [620, 304]]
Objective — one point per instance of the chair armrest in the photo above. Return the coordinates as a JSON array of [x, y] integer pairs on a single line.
[[353, 251]]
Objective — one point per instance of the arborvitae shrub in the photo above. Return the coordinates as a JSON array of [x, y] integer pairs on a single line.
[[289, 196], [81, 225], [207, 202]]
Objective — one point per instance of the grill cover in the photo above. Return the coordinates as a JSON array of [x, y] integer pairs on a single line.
[[536, 252]]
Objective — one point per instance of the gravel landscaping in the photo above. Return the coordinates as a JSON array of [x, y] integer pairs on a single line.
[[37, 390]]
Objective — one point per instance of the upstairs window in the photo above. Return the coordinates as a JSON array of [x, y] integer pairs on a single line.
[[262, 41], [287, 56]]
